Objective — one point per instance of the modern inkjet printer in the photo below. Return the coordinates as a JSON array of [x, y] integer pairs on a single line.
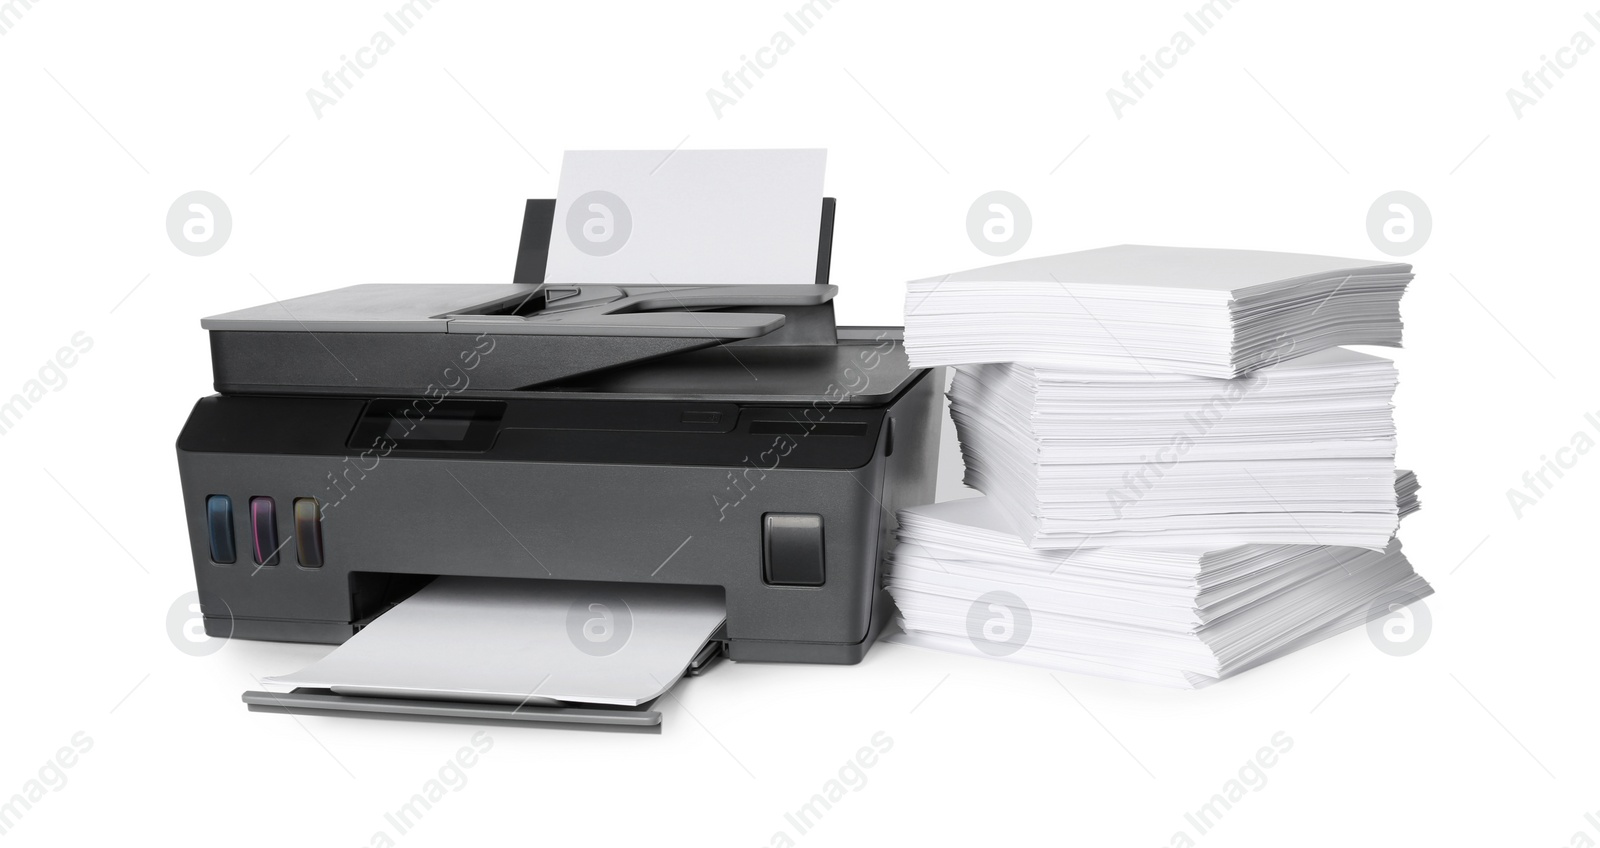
[[724, 446]]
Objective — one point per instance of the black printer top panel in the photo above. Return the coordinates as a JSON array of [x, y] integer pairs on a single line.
[[865, 367], [872, 368], [533, 429]]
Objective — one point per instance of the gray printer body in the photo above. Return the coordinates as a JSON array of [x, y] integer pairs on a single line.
[[367, 440]]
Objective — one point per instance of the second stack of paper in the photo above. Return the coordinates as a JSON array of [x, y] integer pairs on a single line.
[[1183, 617], [1299, 453]]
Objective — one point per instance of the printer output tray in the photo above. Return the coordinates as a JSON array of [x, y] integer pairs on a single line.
[[309, 701], [312, 701]]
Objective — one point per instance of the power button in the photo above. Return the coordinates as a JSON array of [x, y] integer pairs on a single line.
[[792, 552]]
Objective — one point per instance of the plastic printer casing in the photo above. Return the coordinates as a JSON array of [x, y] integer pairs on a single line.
[[366, 440]]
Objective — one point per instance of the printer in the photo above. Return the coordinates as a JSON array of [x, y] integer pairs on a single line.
[[367, 441]]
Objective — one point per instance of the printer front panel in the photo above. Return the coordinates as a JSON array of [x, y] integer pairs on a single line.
[[479, 513]]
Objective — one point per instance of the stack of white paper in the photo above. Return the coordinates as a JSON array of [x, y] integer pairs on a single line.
[[1185, 475], [1154, 310], [1181, 617], [1301, 453], [1405, 492]]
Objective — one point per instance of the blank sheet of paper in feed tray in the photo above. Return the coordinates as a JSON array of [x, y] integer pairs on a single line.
[[532, 642], [687, 216]]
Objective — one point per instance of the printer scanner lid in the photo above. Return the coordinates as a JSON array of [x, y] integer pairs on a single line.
[[754, 342]]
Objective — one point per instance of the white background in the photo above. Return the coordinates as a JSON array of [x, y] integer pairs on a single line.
[[1278, 131]]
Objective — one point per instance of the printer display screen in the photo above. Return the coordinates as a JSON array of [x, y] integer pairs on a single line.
[[429, 429], [421, 424]]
